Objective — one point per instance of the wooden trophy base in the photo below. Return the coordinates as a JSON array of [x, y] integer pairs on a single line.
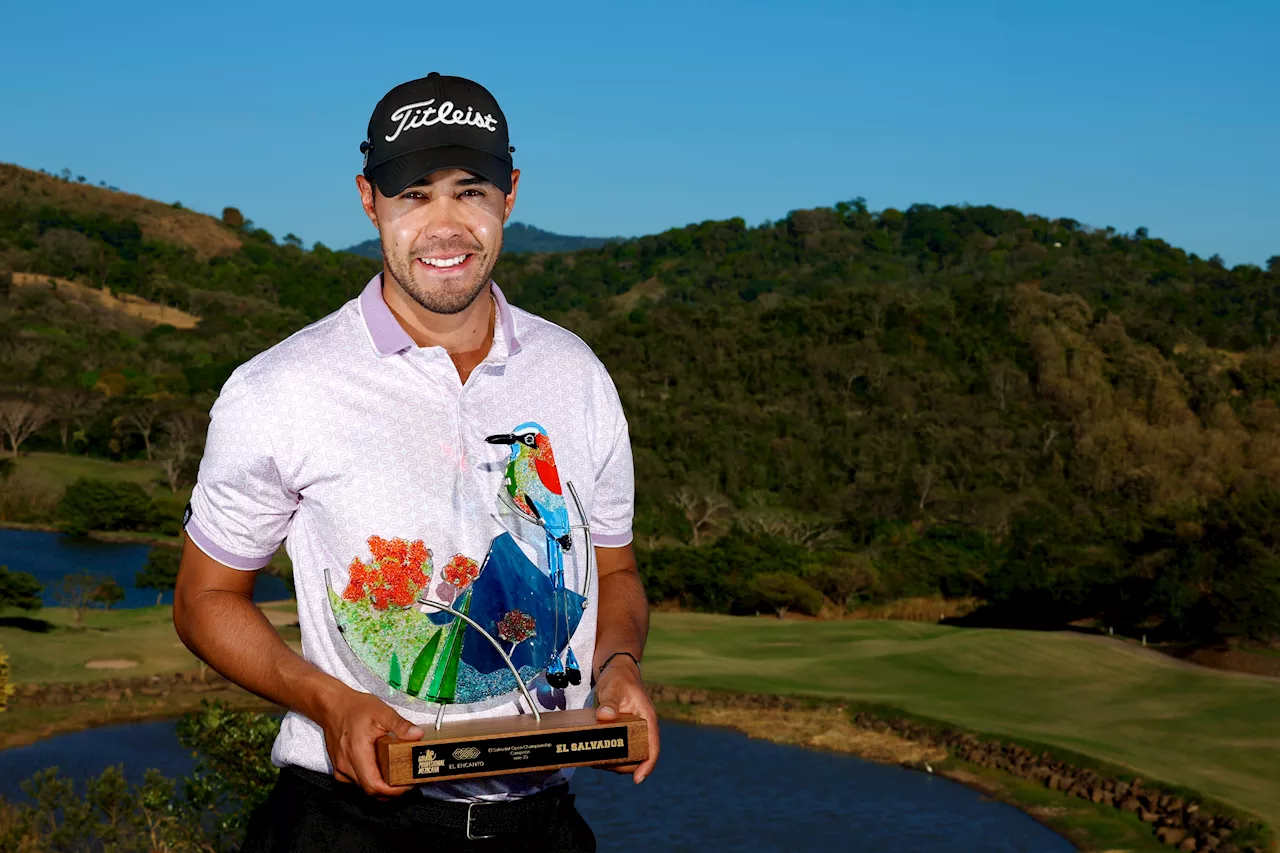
[[493, 746]]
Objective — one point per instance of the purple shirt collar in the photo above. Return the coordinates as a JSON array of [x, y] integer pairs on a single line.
[[389, 337]]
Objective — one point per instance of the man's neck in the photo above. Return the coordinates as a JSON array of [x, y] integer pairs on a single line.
[[466, 336]]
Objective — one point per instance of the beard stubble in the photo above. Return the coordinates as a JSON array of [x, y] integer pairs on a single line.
[[453, 299]]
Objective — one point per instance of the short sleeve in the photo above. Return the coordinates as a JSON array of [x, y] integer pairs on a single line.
[[240, 507], [613, 501]]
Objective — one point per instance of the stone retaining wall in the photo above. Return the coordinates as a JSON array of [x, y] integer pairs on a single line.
[[113, 689], [1184, 825]]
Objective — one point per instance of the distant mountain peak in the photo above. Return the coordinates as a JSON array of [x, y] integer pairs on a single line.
[[516, 237]]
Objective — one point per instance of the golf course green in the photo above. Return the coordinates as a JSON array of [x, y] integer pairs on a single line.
[[1216, 732]]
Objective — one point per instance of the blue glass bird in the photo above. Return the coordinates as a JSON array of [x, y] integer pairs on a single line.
[[534, 486]]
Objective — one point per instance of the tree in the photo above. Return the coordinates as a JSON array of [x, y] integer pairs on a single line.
[[19, 419], [20, 590], [90, 504], [67, 251], [73, 407], [78, 590], [107, 593], [701, 510], [141, 420], [183, 430], [782, 592], [160, 572], [232, 217]]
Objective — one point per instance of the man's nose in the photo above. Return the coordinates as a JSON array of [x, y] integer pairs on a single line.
[[441, 219]]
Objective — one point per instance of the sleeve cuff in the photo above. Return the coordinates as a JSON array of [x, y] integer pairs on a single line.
[[611, 540], [202, 541]]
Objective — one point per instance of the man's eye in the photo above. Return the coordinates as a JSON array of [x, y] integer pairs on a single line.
[[474, 193], [412, 194]]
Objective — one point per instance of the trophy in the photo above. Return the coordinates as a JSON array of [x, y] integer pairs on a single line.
[[495, 629]]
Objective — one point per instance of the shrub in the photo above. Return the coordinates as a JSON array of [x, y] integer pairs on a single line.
[[6, 689], [783, 592], [160, 573], [19, 589], [104, 505]]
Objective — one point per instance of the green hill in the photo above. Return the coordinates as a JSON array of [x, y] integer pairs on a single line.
[[1067, 422], [516, 237]]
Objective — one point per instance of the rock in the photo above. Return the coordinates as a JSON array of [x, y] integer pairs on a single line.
[[1209, 842], [1172, 835], [1188, 844], [1096, 794], [1130, 804], [1148, 816], [112, 695]]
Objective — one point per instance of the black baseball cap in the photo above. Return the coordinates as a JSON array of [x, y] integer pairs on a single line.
[[434, 123]]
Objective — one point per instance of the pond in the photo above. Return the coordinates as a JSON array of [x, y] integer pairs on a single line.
[[52, 556], [713, 790]]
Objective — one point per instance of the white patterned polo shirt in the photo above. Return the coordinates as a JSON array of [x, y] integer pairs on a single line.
[[407, 499]]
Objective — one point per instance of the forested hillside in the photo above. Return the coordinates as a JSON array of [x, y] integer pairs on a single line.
[[516, 237], [1064, 421]]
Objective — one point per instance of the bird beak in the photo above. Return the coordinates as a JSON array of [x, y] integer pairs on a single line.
[[502, 439]]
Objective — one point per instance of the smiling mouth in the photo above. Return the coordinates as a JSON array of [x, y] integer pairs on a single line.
[[445, 263]]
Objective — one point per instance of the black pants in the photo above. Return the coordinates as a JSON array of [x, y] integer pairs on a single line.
[[308, 811]]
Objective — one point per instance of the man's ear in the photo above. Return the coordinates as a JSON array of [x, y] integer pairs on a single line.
[[510, 202], [367, 192]]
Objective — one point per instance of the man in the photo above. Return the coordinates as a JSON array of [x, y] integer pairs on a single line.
[[395, 443]]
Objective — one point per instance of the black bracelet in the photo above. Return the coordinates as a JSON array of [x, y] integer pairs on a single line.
[[614, 655]]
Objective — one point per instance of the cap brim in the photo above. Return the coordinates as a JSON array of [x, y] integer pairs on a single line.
[[396, 175]]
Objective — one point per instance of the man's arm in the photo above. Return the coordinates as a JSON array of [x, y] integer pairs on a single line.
[[214, 614], [622, 625]]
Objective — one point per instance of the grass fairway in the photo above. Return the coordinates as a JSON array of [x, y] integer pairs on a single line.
[[145, 635], [62, 469], [1216, 732]]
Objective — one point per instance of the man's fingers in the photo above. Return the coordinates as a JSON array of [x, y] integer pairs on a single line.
[[606, 713], [370, 776], [655, 744], [364, 761], [397, 725], [621, 768]]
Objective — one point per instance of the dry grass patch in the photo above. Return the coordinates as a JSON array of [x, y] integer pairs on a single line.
[[158, 221], [134, 306], [820, 728]]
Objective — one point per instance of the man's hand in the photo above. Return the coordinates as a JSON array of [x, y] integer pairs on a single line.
[[620, 690], [352, 721]]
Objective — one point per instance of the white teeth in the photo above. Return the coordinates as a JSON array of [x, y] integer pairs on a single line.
[[444, 262]]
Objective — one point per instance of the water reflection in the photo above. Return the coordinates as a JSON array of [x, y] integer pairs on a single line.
[[714, 790], [52, 556]]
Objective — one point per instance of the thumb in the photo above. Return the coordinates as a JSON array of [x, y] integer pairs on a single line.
[[606, 713], [403, 729]]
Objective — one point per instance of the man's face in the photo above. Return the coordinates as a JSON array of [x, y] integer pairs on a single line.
[[441, 237]]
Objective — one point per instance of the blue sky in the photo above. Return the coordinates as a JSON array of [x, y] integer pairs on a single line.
[[637, 118]]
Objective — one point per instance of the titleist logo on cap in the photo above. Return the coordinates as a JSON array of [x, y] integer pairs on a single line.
[[424, 114]]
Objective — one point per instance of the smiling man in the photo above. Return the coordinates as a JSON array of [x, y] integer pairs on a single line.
[[403, 445]]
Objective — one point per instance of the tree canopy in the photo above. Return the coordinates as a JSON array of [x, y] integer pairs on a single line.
[[1065, 421]]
